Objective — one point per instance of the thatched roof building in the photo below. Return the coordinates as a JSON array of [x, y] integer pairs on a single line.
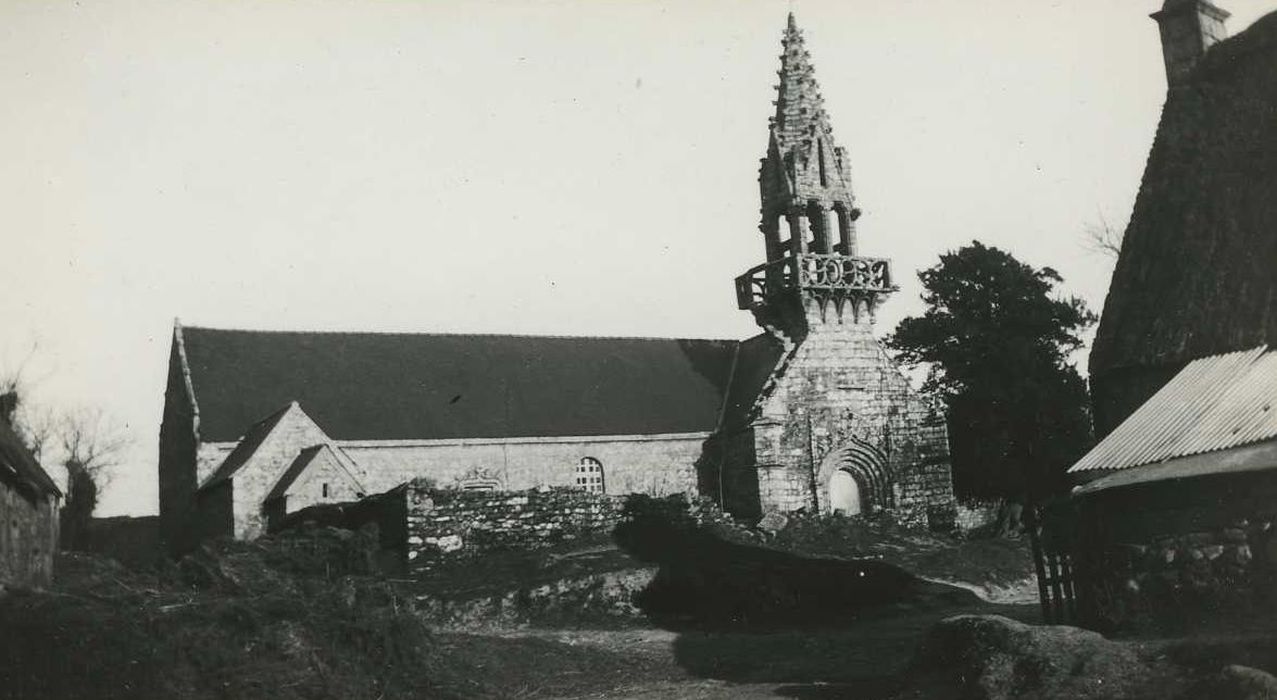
[[1196, 272], [29, 503]]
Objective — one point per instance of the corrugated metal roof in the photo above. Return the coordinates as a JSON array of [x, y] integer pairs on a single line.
[[1260, 456], [1214, 403]]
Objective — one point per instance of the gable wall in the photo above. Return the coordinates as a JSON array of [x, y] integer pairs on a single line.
[[209, 456], [177, 460], [841, 384], [308, 489], [294, 432]]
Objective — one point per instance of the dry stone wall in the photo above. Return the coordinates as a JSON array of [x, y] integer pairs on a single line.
[[1170, 580], [1175, 556], [445, 525]]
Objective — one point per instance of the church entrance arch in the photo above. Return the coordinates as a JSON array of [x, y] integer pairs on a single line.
[[853, 479], [844, 493]]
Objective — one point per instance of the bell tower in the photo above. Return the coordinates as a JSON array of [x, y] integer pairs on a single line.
[[813, 273]]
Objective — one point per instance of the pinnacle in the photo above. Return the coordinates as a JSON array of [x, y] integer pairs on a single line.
[[799, 105]]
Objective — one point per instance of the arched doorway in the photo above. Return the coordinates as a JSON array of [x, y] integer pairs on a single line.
[[853, 479], [844, 493]]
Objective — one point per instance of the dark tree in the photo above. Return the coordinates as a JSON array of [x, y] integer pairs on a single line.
[[996, 339]]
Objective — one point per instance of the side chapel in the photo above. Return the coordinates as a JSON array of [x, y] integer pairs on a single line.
[[809, 414]]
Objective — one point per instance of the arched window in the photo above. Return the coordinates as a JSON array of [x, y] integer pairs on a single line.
[[846, 234], [589, 475], [819, 226]]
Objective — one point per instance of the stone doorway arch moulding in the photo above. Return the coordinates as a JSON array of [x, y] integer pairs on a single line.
[[866, 464]]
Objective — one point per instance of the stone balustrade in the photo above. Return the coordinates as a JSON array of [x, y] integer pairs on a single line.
[[814, 272]]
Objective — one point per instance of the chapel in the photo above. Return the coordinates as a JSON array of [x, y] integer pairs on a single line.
[[810, 414]]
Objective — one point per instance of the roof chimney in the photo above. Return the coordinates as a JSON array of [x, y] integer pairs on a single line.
[[1188, 28]]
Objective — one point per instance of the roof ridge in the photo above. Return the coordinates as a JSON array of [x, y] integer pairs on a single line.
[[455, 334]]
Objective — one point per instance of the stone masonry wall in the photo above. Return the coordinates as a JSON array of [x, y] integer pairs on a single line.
[[1175, 556], [653, 465], [976, 514], [294, 432], [449, 525], [28, 537], [1166, 580], [841, 387]]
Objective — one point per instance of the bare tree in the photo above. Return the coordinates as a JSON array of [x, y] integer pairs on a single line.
[[38, 427], [14, 383], [1100, 237], [35, 424], [91, 445], [88, 438]]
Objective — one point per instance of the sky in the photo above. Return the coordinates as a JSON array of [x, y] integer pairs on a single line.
[[583, 167]]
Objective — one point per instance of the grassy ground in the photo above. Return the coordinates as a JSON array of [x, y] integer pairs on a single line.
[[289, 619], [309, 617]]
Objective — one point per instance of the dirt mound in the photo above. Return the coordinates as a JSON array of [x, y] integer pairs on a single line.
[[992, 658]]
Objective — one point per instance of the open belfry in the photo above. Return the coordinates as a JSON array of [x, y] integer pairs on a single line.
[[810, 415], [834, 426]]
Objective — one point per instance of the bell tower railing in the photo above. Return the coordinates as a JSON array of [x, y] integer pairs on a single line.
[[824, 274]]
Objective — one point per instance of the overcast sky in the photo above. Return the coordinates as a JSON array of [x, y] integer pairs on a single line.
[[516, 167]]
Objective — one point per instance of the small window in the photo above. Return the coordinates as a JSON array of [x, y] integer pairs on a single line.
[[589, 475], [325, 490]]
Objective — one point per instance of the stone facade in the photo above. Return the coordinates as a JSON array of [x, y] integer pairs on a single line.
[[29, 502], [28, 537], [650, 464], [261, 461], [840, 404], [836, 426], [656, 465]]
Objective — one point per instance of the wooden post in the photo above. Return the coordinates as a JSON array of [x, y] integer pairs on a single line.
[[1044, 595]]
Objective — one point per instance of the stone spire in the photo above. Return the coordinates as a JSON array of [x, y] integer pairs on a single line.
[[800, 110], [803, 162], [813, 273]]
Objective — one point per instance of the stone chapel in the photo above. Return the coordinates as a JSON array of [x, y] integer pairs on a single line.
[[810, 414]]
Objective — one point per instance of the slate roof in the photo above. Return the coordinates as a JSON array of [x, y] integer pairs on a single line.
[[19, 467], [1195, 275], [386, 386], [1215, 403], [754, 363]]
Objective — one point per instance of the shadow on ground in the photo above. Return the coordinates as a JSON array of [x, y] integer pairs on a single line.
[[818, 627], [706, 581]]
